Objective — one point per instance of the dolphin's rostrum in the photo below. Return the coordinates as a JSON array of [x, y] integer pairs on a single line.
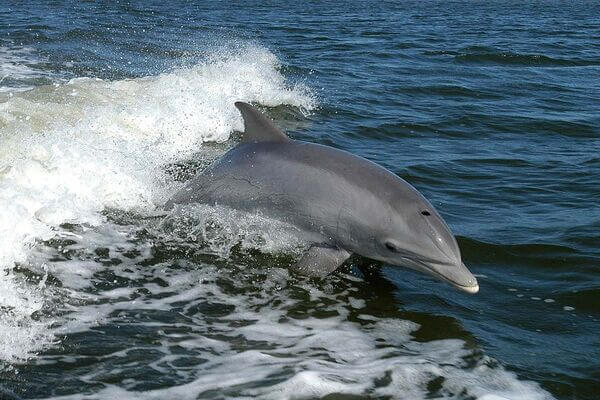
[[343, 203]]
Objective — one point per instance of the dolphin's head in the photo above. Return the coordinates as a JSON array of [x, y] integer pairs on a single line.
[[416, 236]]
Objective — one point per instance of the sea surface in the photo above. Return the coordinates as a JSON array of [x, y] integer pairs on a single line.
[[490, 108]]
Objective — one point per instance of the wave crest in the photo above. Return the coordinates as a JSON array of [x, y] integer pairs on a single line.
[[71, 150]]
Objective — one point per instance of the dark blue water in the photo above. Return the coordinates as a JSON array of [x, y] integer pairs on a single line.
[[490, 109]]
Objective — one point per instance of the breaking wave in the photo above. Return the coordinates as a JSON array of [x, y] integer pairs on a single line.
[[73, 149]]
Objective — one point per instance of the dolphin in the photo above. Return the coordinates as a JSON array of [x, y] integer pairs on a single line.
[[341, 202]]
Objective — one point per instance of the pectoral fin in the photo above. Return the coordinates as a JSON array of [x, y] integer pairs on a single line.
[[320, 261]]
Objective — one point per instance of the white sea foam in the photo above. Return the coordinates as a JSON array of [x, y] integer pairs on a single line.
[[71, 150], [19, 66], [250, 333]]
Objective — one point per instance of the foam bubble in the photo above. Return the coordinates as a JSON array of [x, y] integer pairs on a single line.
[[72, 150], [217, 230], [242, 331], [19, 68], [75, 152], [20, 332]]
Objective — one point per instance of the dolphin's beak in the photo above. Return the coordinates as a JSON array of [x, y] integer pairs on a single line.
[[469, 283], [457, 275]]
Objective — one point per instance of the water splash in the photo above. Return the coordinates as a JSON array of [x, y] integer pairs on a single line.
[[72, 150]]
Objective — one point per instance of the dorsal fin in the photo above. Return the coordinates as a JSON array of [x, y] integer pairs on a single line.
[[257, 127]]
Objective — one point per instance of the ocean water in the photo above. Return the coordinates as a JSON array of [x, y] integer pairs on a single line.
[[490, 109]]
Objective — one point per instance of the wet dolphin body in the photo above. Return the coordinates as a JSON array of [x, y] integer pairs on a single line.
[[343, 203]]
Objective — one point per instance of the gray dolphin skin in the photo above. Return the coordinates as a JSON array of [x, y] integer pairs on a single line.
[[342, 203]]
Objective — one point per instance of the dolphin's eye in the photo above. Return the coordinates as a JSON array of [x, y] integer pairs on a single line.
[[425, 213], [390, 247]]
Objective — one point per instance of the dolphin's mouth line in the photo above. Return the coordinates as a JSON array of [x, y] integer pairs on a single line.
[[467, 288], [413, 257], [470, 289]]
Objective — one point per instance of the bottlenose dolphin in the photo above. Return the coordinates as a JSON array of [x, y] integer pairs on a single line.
[[343, 203]]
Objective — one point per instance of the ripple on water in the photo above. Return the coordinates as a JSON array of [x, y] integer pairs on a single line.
[[196, 324]]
